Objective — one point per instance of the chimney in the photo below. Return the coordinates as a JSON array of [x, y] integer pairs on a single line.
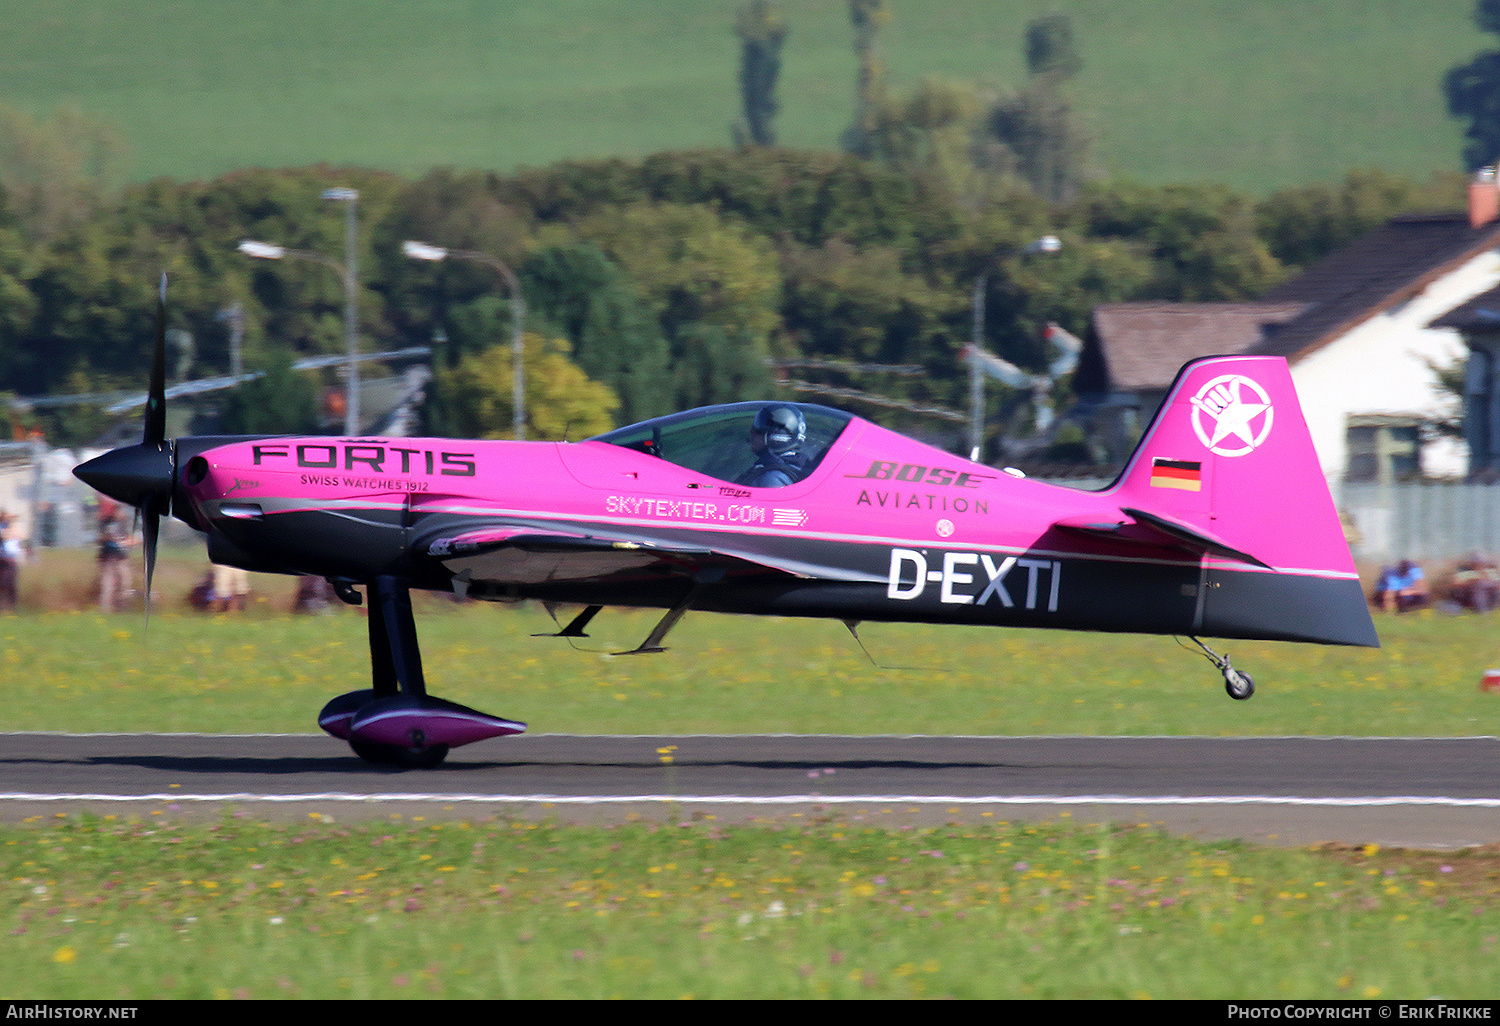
[[1484, 198]]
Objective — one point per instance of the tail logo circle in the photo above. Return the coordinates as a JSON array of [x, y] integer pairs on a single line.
[[1232, 415]]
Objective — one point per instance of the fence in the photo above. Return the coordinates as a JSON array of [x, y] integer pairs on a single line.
[[1421, 520], [37, 487]]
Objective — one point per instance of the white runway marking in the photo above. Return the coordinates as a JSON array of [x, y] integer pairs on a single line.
[[1379, 801], [538, 735]]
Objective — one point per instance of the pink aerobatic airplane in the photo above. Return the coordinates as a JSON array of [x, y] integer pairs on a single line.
[[1220, 525]]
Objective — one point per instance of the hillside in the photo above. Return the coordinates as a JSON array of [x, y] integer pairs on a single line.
[[1254, 95]]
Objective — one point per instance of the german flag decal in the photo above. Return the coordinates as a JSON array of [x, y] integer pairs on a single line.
[[1184, 474]]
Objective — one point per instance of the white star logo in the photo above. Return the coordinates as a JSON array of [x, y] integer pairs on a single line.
[[1232, 403]]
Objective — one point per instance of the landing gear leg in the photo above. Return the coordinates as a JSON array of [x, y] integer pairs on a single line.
[[395, 670], [395, 722], [1238, 684], [395, 659]]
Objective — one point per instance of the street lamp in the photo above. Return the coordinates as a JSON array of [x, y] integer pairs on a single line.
[[425, 251], [350, 199], [271, 251], [1046, 244]]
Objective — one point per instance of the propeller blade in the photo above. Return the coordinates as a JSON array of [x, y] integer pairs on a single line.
[[156, 396], [153, 531], [142, 475]]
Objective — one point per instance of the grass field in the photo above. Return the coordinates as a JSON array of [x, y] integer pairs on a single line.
[[77, 670], [146, 906], [104, 908], [1252, 95]]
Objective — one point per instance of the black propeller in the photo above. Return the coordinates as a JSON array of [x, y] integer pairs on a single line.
[[155, 431], [142, 475]]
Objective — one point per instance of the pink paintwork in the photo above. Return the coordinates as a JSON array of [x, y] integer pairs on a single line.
[[1266, 499], [1221, 525], [404, 722]]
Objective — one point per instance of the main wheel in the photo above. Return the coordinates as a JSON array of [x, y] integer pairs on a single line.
[[403, 758], [1240, 686]]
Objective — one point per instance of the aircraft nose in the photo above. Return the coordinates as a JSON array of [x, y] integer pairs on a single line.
[[132, 474]]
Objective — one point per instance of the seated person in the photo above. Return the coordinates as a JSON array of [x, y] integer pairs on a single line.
[[1402, 587], [776, 439], [1476, 583]]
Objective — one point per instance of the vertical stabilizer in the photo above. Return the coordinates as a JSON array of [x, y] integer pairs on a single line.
[[1229, 457]]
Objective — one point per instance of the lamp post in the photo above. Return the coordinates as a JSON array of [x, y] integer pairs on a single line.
[[271, 251], [234, 316], [425, 251], [1046, 244], [350, 199]]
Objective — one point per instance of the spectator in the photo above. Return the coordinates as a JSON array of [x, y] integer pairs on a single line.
[[114, 563], [231, 585], [314, 594], [1402, 587], [10, 562], [1476, 583], [202, 596]]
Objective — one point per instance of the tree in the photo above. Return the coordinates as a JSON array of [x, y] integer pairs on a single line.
[[715, 364], [76, 424], [927, 131], [95, 313], [85, 303], [1201, 240], [1050, 50], [17, 302], [1302, 224], [579, 293], [858, 314], [860, 305], [1037, 123], [762, 31], [474, 399], [867, 16], [282, 401], [57, 172], [1473, 92], [697, 270]]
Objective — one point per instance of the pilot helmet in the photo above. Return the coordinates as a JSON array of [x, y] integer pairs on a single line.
[[784, 428]]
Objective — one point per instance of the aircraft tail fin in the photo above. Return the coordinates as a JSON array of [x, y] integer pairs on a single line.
[[1227, 469]]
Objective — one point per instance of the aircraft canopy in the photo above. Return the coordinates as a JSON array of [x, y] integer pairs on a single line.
[[714, 440]]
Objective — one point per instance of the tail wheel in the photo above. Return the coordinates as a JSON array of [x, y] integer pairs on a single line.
[[1238, 684]]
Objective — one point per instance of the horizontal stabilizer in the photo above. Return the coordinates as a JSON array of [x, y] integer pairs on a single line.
[[1138, 527]]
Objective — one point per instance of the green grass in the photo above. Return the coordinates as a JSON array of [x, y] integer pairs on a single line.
[[267, 671], [1253, 95], [133, 910], [147, 906]]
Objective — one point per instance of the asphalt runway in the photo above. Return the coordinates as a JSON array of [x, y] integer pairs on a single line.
[[1409, 792]]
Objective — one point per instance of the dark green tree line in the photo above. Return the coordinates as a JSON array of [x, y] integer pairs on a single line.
[[671, 279]]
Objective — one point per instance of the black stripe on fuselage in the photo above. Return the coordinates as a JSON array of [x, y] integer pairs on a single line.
[[891, 582]]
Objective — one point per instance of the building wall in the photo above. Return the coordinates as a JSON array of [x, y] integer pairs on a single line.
[[1379, 368]]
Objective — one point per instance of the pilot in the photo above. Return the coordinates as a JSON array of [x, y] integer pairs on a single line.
[[776, 438]]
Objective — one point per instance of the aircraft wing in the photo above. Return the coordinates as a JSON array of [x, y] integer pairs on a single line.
[[513, 554], [1133, 526]]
